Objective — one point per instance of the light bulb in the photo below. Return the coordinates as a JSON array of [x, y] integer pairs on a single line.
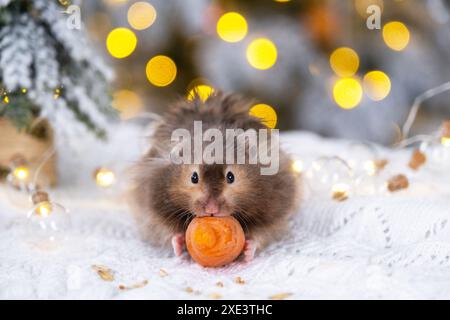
[[104, 177], [362, 158], [330, 177], [21, 173], [366, 185], [438, 154], [19, 176], [340, 191], [48, 223]]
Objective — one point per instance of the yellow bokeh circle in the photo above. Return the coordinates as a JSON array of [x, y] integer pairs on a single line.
[[347, 93], [344, 62], [262, 54], [128, 103], [161, 71], [121, 42], [141, 15], [396, 35], [266, 113], [232, 27], [377, 85], [203, 91]]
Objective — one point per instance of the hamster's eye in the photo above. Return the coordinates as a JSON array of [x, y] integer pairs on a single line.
[[230, 177], [194, 178]]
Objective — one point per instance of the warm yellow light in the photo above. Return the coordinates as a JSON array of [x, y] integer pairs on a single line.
[[21, 173], [377, 85], [232, 27], [203, 91], [262, 53], [121, 42], [445, 141], [104, 178], [344, 62], [297, 166], [128, 103], [282, 0], [141, 15], [24, 90], [44, 209], [266, 113], [347, 93], [161, 71], [6, 99], [396, 35], [57, 93], [370, 167]]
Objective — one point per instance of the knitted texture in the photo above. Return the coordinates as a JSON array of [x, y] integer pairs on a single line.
[[387, 245]]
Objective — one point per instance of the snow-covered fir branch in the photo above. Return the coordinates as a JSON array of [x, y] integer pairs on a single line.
[[40, 54]]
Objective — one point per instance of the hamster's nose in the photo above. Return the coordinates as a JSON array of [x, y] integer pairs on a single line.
[[212, 207]]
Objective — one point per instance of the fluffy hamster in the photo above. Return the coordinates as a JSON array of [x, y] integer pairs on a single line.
[[166, 196]]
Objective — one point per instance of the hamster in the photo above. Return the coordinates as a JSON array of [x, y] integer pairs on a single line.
[[166, 196]]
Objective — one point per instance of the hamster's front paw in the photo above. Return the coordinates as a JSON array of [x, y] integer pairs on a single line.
[[249, 250], [178, 244]]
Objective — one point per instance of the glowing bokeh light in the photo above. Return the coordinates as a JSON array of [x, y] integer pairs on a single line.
[[203, 91], [121, 42], [344, 62], [232, 27], [298, 166], [44, 209], [445, 141], [266, 113], [104, 177], [128, 103], [347, 93], [141, 15], [377, 85], [161, 71], [21, 173], [396, 35], [262, 54]]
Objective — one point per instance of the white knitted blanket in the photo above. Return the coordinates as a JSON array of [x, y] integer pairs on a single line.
[[382, 246]]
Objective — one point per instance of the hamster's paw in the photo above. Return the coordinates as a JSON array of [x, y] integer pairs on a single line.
[[249, 250], [178, 244]]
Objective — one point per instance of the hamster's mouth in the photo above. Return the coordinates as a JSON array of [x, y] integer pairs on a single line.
[[208, 214]]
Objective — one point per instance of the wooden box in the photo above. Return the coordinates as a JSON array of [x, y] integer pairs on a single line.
[[34, 145]]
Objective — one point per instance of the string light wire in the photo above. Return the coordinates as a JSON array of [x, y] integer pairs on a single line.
[[418, 103]]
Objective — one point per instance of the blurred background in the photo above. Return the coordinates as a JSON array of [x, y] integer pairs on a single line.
[[347, 68]]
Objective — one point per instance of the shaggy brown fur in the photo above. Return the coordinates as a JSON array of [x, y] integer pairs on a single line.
[[165, 199]]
